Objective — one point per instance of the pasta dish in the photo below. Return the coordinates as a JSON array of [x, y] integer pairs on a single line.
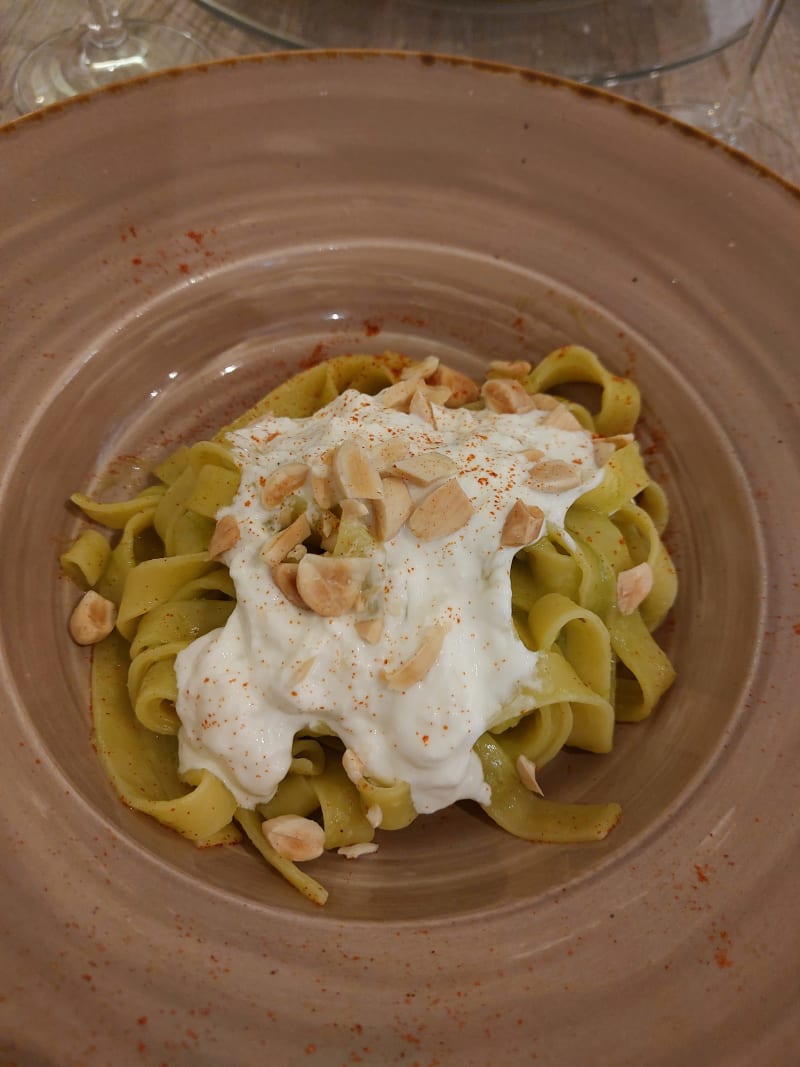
[[383, 590]]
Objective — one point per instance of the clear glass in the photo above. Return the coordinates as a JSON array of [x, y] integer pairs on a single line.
[[727, 118], [105, 49]]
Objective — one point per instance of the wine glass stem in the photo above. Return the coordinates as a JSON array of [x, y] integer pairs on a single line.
[[106, 28], [729, 109]]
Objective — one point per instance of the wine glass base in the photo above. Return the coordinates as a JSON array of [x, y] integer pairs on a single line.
[[67, 64]]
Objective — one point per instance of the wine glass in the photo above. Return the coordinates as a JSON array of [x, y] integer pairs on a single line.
[[105, 49], [726, 118]]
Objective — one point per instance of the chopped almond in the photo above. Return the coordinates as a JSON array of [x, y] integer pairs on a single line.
[[506, 396], [603, 451], [224, 537], [361, 848], [416, 668], [421, 407], [421, 370], [283, 481], [463, 390], [330, 584], [387, 452], [303, 670], [561, 418], [504, 368], [355, 475], [374, 815], [425, 468], [545, 402], [353, 766], [532, 454], [285, 577], [370, 630], [275, 550], [93, 619], [554, 476], [295, 838], [441, 513], [392, 510], [398, 395], [526, 771], [436, 394], [633, 586], [522, 526]]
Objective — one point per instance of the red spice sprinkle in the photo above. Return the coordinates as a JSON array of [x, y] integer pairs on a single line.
[[184, 268], [702, 872], [796, 628], [137, 261], [195, 235]]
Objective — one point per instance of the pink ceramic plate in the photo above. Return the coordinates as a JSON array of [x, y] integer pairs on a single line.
[[173, 248]]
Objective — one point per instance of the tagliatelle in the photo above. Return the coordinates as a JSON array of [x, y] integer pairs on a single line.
[[593, 664]]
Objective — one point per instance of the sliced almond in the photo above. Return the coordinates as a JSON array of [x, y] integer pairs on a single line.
[[295, 838], [355, 475], [284, 575], [603, 451], [370, 630], [361, 848], [374, 815], [283, 481], [294, 555], [526, 771], [441, 513], [327, 523], [561, 418], [353, 766], [330, 584], [514, 368], [303, 670], [420, 406], [274, 551], [532, 454], [322, 484], [425, 468], [506, 396], [421, 370], [633, 586], [545, 402], [93, 619], [554, 476], [436, 394], [463, 390], [398, 395], [392, 510], [385, 453], [522, 526], [354, 510], [416, 668], [224, 537]]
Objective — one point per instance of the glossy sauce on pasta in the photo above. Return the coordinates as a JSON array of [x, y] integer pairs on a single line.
[[276, 669]]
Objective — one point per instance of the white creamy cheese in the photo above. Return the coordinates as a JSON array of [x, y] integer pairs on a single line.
[[247, 689]]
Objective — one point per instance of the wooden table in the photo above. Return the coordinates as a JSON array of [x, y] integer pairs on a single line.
[[775, 97]]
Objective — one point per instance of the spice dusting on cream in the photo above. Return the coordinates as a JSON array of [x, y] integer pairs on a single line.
[[371, 559]]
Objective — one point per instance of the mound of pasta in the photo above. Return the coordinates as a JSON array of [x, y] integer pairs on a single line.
[[383, 590]]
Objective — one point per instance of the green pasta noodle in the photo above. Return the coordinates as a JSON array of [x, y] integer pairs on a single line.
[[597, 664]]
